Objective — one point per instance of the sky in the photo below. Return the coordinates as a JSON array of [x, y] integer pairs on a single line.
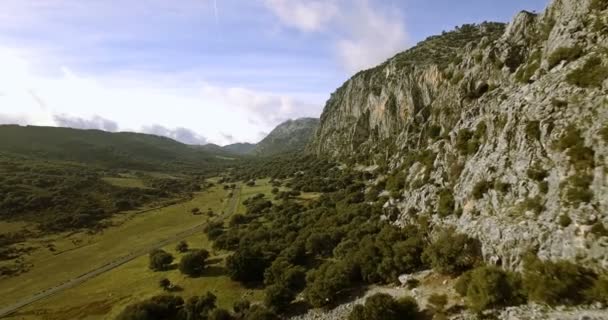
[[204, 71]]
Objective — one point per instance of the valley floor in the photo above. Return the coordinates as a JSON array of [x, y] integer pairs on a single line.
[[121, 253]]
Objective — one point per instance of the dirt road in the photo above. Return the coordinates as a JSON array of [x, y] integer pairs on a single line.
[[231, 207]]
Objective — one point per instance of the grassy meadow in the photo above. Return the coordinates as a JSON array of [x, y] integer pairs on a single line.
[[106, 295]]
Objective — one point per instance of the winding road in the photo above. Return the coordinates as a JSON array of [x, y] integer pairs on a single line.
[[231, 208]]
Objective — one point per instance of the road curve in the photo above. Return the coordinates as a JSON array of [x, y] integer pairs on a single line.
[[232, 205]]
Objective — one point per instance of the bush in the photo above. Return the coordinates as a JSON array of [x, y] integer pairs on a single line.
[[578, 189], [193, 264], [599, 291], [468, 142], [198, 308], [158, 307], [481, 188], [564, 53], [564, 220], [220, 314], [490, 287], [278, 297], [591, 75], [604, 133], [598, 5], [537, 173], [534, 205], [445, 206], [164, 283], [182, 246], [556, 283], [327, 283], [580, 155], [384, 307], [452, 253], [160, 260], [599, 229], [260, 313], [533, 130]]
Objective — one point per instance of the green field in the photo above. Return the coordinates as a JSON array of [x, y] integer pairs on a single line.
[[106, 295]]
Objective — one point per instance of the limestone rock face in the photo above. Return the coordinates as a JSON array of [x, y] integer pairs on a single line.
[[504, 118]]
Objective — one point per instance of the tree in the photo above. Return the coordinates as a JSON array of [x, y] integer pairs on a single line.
[[164, 283], [193, 264], [278, 297], [160, 260], [220, 314], [489, 287], [182, 246], [382, 306], [260, 313], [452, 253], [326, 283], [159, 307], [198, 308]]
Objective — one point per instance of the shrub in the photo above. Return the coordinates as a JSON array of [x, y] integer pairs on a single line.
[[591, 75], [325, 284], [160, 260], [278, 297], [533, 130], [599, 291], [598, 5], [452, 253], [599, 230], [445, 206], [260, 313], [526, 72], [555, 283], [564, 53], [220, 314], [157, 307], [384, 307], [580, 155], [534, 205], [481, 188], [537, 173], [577, 189], [199, 307], [565, 220], [182, 246], [193, 264], [490, 287], [164, 283], [502, 187], [465, 143], [604, 133]]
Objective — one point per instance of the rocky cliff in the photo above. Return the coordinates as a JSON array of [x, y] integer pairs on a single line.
[[498, 130]]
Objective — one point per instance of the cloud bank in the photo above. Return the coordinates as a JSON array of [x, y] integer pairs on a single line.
[[364, 34]]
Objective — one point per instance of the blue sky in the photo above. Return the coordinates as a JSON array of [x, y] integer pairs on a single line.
[[203, 70]]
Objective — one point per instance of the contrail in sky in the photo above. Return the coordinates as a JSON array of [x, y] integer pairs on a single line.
[[215, 10]]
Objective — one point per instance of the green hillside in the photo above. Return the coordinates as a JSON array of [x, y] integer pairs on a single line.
[[113, 150]]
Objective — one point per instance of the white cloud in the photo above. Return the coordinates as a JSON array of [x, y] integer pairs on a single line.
[[373, 37], [365, 34], [183, 135], [180, 107], [306, 15], [95, 122]]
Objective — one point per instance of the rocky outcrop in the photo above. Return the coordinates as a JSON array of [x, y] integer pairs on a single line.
[[500, 131], [289, 136]]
